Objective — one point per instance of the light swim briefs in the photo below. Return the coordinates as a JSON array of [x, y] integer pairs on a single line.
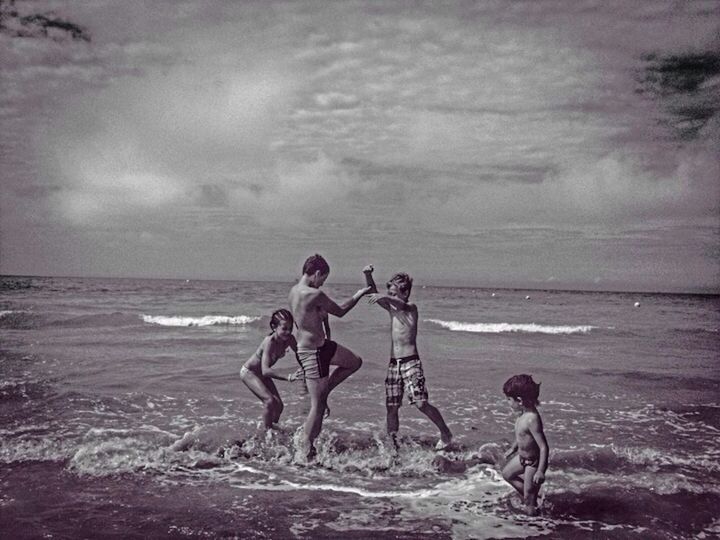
[[315, 363]]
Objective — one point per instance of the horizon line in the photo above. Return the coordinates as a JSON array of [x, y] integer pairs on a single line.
[[701, 291]]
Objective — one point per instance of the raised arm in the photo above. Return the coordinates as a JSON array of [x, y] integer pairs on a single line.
[[536, 430], [340, 310], [369, 281]]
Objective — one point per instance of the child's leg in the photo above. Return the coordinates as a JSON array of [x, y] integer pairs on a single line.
[[513, 474], [436, 418], [393, 419], [255, 384], [347, 363], [318, 389], [530, 488], [278, 405]]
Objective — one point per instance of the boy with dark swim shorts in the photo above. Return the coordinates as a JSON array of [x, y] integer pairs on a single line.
[[310, 307], [526, 471], [405, 372]]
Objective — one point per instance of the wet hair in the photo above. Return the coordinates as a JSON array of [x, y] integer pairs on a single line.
[[523, 387], [402, 281], [279, 316], [314, 263]]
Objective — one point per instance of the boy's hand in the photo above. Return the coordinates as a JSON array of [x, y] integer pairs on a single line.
[[366, 290], [539, 477], [373, 298], [368, 269], [509, 453]]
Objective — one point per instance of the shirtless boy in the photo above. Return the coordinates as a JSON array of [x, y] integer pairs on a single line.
[[315, 351], [526, 471], [405, 371]]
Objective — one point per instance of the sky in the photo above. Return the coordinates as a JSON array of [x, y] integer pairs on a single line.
[[539, 144]]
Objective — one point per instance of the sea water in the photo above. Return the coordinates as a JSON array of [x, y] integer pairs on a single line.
[[101, 376]]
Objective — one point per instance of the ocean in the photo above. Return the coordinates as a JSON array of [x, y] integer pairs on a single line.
[[101, 376]]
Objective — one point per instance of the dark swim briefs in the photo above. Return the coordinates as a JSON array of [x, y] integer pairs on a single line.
[[315, 363], [529, 461]]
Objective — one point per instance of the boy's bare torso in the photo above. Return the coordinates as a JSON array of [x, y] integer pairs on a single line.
[[527, 446], [305, 304], [403, 333]]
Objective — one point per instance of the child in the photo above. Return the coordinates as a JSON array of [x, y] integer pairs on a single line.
[[405, 372], [316, 352], [526, 471], [258, 372]]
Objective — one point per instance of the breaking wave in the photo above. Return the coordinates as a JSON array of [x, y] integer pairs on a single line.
[[207, 320], [499, 328]]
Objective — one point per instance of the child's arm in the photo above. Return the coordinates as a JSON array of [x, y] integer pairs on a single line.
[[266, 367], [389, 302], [511, 450], [340, 310], [326, 326], [536, 430], [369, 281]]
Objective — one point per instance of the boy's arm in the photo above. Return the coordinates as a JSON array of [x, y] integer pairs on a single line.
[[536, 430], [389, 302], [369, 281], [511, 450], [326, 326], [342, 309]]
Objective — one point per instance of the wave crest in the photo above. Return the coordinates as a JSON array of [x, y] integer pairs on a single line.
[[207, 320], [499, 328]]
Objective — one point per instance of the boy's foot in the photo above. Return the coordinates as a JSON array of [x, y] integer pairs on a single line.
[[531, 510], [444, 443], [311, 453]]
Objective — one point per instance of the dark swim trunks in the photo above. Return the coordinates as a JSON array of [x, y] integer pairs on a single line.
[[315, 363], [529, 461]]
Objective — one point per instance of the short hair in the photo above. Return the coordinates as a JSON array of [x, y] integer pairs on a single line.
[[314, 263], [402, 281], [523, 387], [279, 316]]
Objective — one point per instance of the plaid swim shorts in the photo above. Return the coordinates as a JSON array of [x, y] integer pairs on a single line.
[[405, 375]]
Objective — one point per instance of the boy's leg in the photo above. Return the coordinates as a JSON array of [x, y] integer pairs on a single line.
[[414, 380], [436, 418], [530, 488], [256, 386], [393, 400], [392, 419], [513, 474], [318, 390], [347, 363]]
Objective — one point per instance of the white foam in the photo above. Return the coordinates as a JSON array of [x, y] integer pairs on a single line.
[[207, 320], [498, 328], [5, 312]]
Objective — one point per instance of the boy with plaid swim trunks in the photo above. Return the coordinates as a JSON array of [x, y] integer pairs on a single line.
[[405, 373]]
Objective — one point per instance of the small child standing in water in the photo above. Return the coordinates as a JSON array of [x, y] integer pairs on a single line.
[[526, 471], [258, 372]]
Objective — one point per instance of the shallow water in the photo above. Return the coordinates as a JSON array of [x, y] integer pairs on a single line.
[[101, 376]]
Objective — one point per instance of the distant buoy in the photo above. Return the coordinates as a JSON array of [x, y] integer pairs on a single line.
[[637, 304], [187, 281], [527, 297], [493, 294]]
